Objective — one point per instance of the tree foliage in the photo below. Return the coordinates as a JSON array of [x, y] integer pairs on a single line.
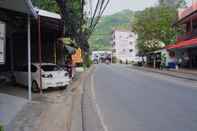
[[72, 16], [153, 44], [49, 5], [173, 3], [77, 26], [155, 23]]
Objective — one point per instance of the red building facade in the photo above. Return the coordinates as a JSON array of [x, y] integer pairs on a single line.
[[186, 46]]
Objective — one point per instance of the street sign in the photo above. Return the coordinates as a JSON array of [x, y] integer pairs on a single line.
[[77, 57], [2, 42]]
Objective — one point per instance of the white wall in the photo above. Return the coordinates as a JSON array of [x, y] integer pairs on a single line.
[[125, 45]]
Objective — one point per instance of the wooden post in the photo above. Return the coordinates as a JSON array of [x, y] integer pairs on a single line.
[[11, 54], [55, 55], [191, 25], [154, 62]]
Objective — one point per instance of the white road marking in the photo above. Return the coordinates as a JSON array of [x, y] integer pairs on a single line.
[[98, 111]]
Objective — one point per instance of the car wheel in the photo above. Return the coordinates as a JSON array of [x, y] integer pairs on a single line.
[[35, 87], [63, 88]]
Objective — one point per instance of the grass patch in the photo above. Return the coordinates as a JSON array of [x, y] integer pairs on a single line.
[[1, 128]]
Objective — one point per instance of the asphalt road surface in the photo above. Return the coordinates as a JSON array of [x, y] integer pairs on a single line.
[[134, 100]]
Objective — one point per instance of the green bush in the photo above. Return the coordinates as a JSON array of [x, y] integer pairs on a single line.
[[114, 60], [1, 128], [89, 62]]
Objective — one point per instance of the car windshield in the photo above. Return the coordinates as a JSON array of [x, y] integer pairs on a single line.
[[50, 67]]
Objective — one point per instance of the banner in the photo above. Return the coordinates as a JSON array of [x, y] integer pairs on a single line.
[[77, 57]]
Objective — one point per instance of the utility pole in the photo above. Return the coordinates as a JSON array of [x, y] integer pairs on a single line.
[[29, 57], [39, 49]]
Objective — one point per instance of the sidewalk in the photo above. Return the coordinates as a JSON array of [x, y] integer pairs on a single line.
[[50, 112], [9, 107], [181, 73], [55, 110]]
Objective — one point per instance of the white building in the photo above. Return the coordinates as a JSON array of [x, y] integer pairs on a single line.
[[124, 45]]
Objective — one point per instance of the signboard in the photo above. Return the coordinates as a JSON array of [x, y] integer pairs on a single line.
[[2, 42], [77, 57]]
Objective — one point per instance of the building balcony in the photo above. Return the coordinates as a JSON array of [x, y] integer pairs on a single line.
[[187, 36]]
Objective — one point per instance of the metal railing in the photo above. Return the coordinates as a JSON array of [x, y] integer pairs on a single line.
[[187, 36]]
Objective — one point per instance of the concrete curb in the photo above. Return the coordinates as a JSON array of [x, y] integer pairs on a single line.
[[168, 73], [76, 123]]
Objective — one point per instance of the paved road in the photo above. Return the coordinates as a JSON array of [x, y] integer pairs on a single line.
[[133, 100]]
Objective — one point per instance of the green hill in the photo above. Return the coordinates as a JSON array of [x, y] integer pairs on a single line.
[[100, 39]]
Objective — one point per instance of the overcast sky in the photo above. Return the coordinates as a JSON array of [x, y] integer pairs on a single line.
[[118, 5]]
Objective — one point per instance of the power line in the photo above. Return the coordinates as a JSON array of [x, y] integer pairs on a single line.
[[101, 6]]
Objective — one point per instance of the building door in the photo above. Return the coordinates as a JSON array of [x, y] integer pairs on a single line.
[[194, 57]]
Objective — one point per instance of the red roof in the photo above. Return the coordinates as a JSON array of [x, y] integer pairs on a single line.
[[183, 44]]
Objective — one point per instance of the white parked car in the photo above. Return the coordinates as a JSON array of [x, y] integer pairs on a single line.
[[51, 76]]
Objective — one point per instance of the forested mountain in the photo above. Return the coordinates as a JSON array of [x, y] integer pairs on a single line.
[[101, 37]]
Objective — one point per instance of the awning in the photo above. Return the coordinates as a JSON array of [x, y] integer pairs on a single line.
[[69, 49], [23, 6], [48, 14], [183, 44], [50, 20]]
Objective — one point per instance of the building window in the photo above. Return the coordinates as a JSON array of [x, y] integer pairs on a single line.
[[194, 26]]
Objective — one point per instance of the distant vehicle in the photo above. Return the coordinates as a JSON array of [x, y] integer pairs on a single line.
[[107, 62], [96, 61], [139, 61], [52, 76]]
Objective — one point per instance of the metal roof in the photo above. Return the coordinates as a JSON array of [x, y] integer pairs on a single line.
[[48, 14], [186, 18], [23, 6], [183, 44], [70, 49]]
